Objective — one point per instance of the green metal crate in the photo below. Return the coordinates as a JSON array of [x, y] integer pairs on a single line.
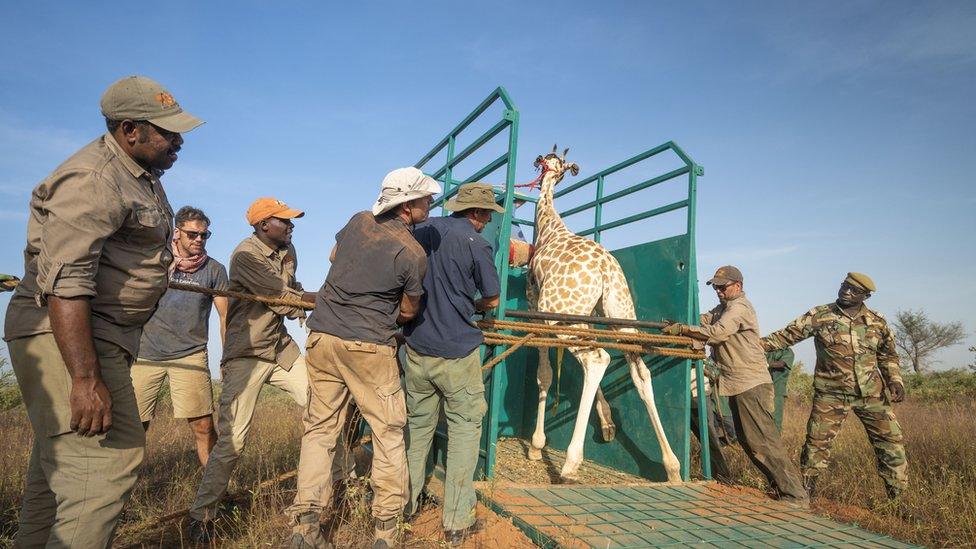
[[662, 275]]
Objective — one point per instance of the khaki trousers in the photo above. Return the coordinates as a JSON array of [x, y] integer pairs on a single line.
[[752, 413], [457, 384], [242, 381], [76, 486], [367, 373]]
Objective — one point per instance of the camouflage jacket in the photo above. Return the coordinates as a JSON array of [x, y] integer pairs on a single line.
[[855, 356]]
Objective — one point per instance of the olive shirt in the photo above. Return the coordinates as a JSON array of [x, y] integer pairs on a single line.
[[732, 330], [856, 355], [255, 329], [377, 261], [100, 226]]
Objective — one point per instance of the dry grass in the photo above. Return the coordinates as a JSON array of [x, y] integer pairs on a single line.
[[941, 445], [938, 509]]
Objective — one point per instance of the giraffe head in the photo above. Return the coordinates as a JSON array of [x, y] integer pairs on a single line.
[[555, 164]]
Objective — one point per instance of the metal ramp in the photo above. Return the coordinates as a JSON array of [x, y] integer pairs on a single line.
[[697, 514]]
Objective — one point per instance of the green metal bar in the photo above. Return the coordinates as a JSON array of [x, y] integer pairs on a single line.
[[470, 149], [626, 163], [449, 172], [636, 217], [693, 310], [598, 212], [498, 93], [492, 166], [501, 265], [624, 192]]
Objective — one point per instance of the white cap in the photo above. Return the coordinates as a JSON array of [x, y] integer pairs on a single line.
[[403, 185]]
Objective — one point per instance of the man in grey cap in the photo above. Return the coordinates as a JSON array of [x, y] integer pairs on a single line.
[[443, 351], [732, 331], [374, 285], [96, 265]]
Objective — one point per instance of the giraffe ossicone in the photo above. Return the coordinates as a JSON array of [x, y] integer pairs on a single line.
[[570, 274]]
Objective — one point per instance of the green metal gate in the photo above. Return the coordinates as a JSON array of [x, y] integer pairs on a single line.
[[662, 277]]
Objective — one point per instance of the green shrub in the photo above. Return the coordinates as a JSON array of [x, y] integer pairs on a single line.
[[10, 396], [941, 386]]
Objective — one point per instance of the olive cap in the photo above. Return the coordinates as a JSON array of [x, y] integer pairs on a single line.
[[725, 275], [861, 280], [142, 98], [474, 195]]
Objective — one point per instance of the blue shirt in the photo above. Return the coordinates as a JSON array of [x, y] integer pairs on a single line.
[[459, 267]]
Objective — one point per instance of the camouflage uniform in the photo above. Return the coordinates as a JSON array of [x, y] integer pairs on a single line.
[[856, 358]]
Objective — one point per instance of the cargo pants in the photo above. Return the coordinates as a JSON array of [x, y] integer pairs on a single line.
[[243, 379], [752, 413], [457, 384], [340, 370], [884, 433], [76, 486]]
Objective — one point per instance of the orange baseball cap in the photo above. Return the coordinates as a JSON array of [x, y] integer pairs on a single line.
[[266, 207]]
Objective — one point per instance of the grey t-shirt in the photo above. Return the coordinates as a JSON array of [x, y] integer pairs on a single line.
[[179, 326], [377, 261]]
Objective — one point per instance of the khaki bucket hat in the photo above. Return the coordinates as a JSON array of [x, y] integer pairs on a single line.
[[141, 98], [474, 195]]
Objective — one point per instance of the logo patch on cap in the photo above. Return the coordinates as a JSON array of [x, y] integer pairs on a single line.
[[165, 99]]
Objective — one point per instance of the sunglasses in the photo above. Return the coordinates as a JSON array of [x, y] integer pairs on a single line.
[[853, 289], [193, 235]]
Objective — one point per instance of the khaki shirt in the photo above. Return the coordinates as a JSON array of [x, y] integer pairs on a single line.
[[856, 355], [100, 226], [255, 329], [733, 333]]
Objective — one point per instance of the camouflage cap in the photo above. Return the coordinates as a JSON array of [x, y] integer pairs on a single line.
[[861, 280], [141, 98], [725, 275], [474, 195]]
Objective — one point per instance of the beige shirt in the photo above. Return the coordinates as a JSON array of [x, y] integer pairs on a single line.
[[100, 226], [255, 329], [733, 333]]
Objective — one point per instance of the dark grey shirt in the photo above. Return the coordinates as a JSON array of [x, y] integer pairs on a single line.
[[179, 326], [377, 261]]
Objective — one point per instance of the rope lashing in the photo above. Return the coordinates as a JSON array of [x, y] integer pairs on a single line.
[[515, 346], [267, 300]]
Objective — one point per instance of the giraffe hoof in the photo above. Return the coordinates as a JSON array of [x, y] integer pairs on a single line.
[[535, 454], [568, 480], [609, 432]]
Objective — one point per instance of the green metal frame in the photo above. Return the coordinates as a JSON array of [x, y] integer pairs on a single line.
[[445, 174], [496, 379]]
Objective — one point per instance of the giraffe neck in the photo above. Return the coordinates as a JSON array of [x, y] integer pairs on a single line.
[[548, 224]]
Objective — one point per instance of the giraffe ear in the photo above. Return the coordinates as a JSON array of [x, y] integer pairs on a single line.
[[538, 162], [574, 168]]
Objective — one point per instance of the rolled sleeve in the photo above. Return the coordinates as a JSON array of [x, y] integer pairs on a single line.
[[485, 275], [728, 325], [82, 211], [794, 332], [410, 269], [256, 275]]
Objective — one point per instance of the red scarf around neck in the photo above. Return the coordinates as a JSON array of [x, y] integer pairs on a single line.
[[188, 264]]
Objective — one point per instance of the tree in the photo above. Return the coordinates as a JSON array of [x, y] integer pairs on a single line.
[[918, 338]]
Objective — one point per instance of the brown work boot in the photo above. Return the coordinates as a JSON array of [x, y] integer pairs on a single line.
[[386, 533], [455, 538], [307, 533]]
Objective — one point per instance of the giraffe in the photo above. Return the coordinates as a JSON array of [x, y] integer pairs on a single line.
[[570, 274]]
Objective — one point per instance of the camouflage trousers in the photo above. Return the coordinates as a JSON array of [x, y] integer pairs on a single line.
[[884, 433]]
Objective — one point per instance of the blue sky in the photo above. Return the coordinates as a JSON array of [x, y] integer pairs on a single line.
[[834, 136]]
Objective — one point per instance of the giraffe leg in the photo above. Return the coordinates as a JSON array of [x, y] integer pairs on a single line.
[[543, 378], [641, 377], [606, 419], [594, 362]]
